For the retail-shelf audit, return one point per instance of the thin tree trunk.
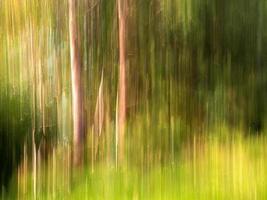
(77, 100)
(34, 115)
(122, 78)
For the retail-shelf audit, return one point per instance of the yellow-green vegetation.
(211, 168)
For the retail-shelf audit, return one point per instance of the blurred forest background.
(196, 92)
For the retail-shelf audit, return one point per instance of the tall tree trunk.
(77, 100)
(122, 78)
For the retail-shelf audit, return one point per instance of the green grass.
(206, 169)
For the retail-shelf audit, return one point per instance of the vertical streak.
(78, 132)
(117, 132)
(34, 112)
(122, 77)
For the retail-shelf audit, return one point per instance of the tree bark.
(77, 100)
(122, 77)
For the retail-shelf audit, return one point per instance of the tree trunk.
(77, 100)
(122, 78)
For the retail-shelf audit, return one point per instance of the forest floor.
(213, 169)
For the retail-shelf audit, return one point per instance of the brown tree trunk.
(122, 78)
(77, 100)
